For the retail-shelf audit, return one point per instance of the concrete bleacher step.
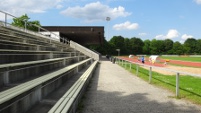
(22, 97)
(5, 44)
(32, 41)
(69, 101)
(14, 56)
(20, 72)
(25, 34)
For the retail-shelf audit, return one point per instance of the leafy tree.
(117, 42)
(127, 46)
(104, 48)
(136, 45)
(190, 45)
(146, 47)
(177, 48)
(198, 46)
(157, 47)
(168, 43)
(24, 19)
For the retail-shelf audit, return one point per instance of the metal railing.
(5, 23)
(150, 68)
(84, 50)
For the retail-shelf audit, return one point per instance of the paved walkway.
(115, 90)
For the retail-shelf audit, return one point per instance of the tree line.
(137, 46)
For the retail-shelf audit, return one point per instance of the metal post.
(25, 26)
(6, 77)
(130, 65)
(177, 85)
(64, 62)
(122, 63)
(150, 74)
(51, 55)
(137, 69)
(5, 19)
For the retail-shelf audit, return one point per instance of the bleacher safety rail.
(8, 16)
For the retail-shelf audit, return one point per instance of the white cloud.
(198, 1)
(142, 34)
(160, 37)
(185, 36)
(59, 6)
(95, 12)
(19, 7)
(172, 33)
(126, 25)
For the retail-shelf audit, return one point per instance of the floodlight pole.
(108, 19)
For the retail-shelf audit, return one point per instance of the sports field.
(184, 64)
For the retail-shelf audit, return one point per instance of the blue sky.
(145, 19)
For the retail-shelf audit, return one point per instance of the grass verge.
(189, 86)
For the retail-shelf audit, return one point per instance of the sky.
(146, 19)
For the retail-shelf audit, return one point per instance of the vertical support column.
(51, 55)
(150, 74)
(64, 62)
(37, 48)
(24, 41)
(78, 56)
(77, 69)
(70, 54)
(62, 49)
(137, 69)
(177, 85)
(6, 77)
(50, 41)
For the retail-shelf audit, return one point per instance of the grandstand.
(41, 72)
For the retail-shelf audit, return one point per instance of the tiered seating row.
(32, 91)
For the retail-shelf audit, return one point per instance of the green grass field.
(193, 59)
(189, 86)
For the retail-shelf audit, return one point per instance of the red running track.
(146, 61)
(184, 63)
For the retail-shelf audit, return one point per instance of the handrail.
(84, 50)
(6, 24)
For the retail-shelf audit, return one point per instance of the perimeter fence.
(180, 81)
